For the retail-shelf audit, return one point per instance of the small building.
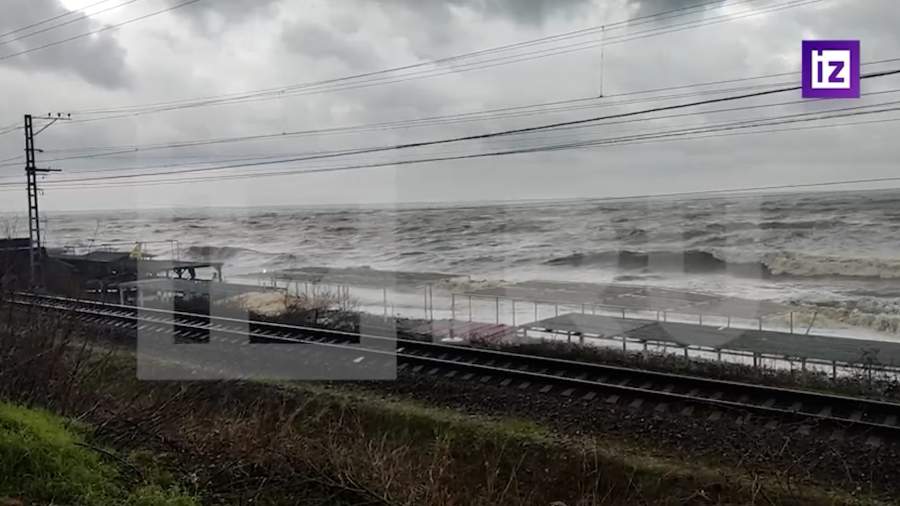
(100, 272)
(15, 263)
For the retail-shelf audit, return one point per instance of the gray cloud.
(648, 7)
(99, 60)
(520, 11)
(321, 39)
(525, 11)
(318, 41)
(210, 17)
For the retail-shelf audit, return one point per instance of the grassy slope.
(42, 461)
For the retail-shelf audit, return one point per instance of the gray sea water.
(831, 249)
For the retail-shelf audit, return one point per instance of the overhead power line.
(538, 128)
(118, 150)
(514, 112)
(81, 17)
(424, 69)
(621, 140)
(48, 20)
(542, 127)
(106, 28)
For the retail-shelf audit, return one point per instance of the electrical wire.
(106, 28)
(81, 17)
(344, 83)
(54, 18)
(677, 133)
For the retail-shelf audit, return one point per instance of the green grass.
(44, 461)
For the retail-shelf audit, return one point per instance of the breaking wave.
(768, 265)
(216, 253)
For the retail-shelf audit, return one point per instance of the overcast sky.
(215, 47)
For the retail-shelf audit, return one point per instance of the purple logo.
(830, 69)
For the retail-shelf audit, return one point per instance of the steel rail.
(529, 370)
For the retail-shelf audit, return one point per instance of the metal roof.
(780, 344)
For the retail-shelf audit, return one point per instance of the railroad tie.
(567, 392)
(433, 371)
(874, 441)
(837, 435)
(546, 388)
(890, 420)
(796, 406)
(769, 402)
(612, 399)
(485, 379)
(523, 385)
(636, 404)
(772, 424)
(505, 382)
(804, 430)
(589, 396)
(687, 411)
(715, 416)
(662, 407)
(826, 411)
(450, 374)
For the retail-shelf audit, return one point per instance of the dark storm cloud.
(520, 11)
(98, 59)
(319, 41)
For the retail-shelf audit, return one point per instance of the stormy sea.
(839, 252)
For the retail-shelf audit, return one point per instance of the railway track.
(717, 401)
